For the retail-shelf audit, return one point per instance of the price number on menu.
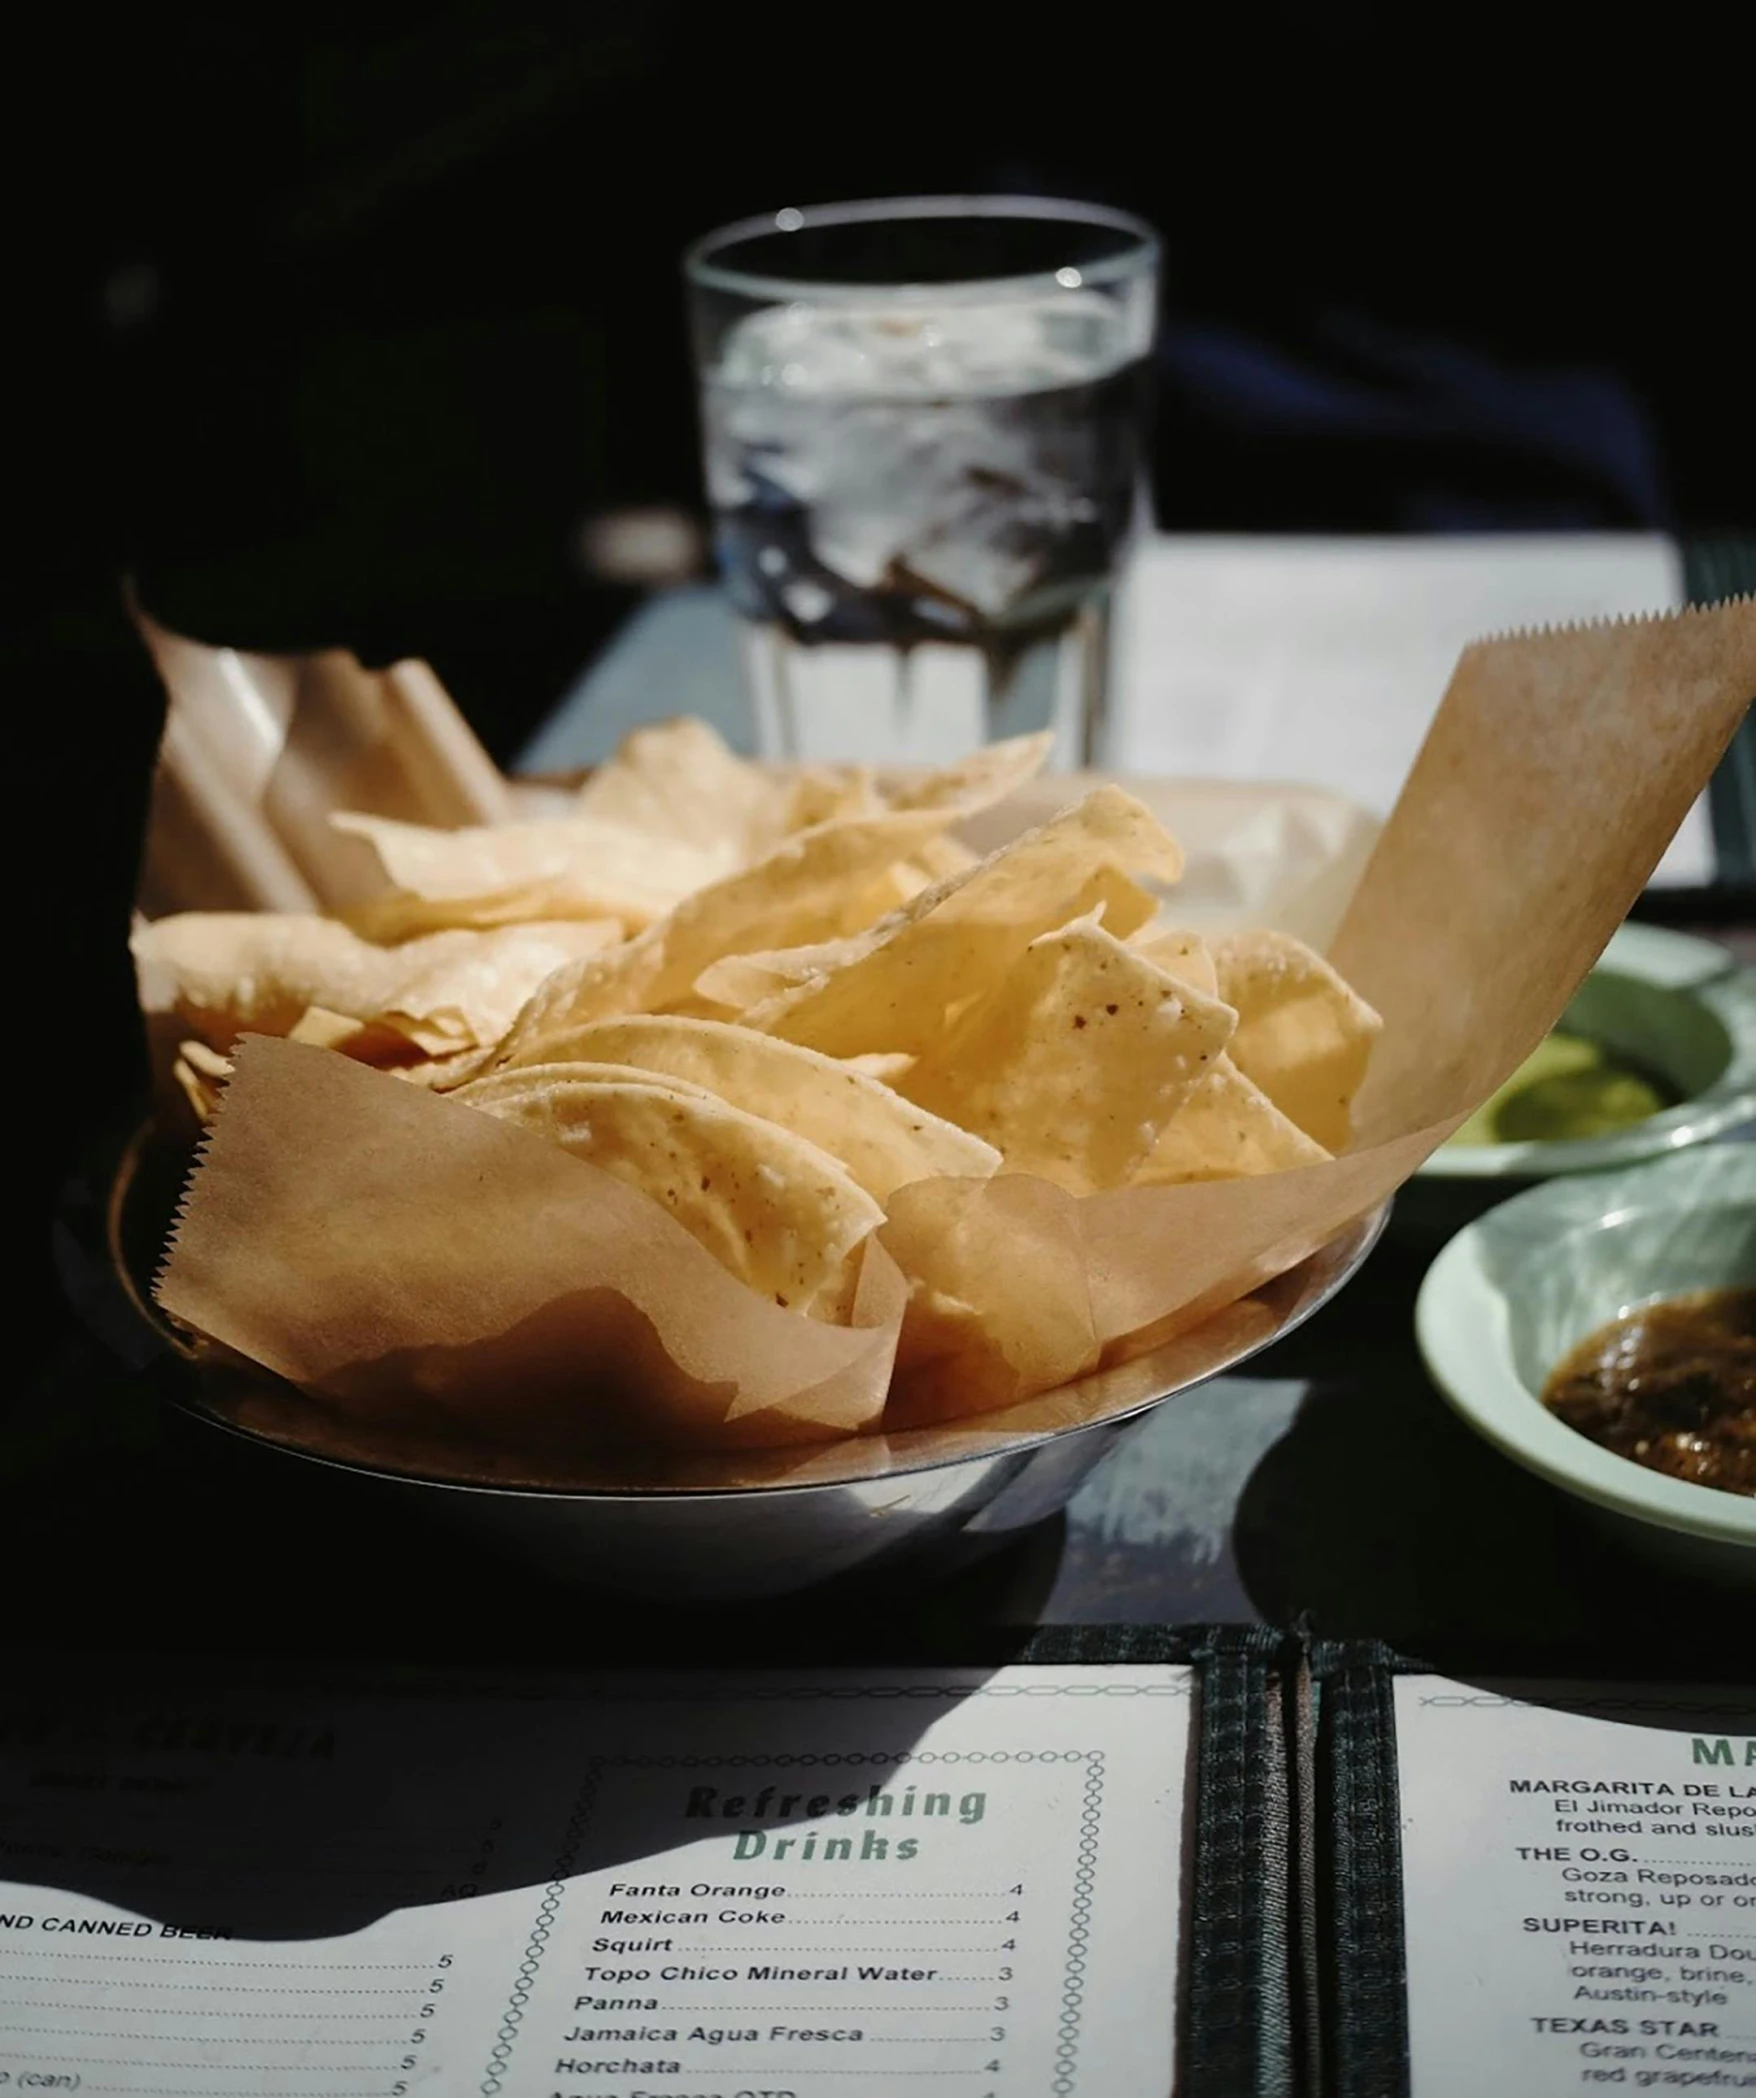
(997, 2032)
(432, 1989)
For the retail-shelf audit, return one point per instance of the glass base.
(869, 702)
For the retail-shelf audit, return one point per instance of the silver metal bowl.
(696, 1527)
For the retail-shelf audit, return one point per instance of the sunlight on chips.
(740, 981)
(953, 1356)
(1073, 1063)
(1181, 954)
(225, 971)
(833, 795)
(530, 1087)
(781, 1215)
(800, 891)
(893, 989)
(579, 867)
(941, 857)
(1304, 1035)
(679, 780)
(201, 1074)
(882, 1139)
(985, 777)
(1225, 1128)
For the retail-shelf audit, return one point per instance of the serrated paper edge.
(1608, 622)
(185, 1195)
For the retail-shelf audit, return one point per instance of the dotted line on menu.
(153, 1959)
(912, 2010)
(179, 2010)
(262, 1988)
(112, 2061)
(75, 2032)
(855, 1951)
(157, 2090)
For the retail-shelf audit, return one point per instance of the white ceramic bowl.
(1676, 1006)
(1513, 1292)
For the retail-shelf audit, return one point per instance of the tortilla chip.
(680, 780)
(833, 794)
(1183, 954)
(893, 987)
(208, 1061)
(777, 1213)
(882, 1139)
(1304, 1035)
(373, 1043)
(902, 883)
(985, 777)
(1226, 1128)
(999, 1301)
(886, 1069)
(200, 1074)
(942, 857)
(227, 972)
(579, 867)
(202, 1071)
(800, 891)
(531, 1085)
(437, 1074)
(470, 987)
(740, 981)
(890, 890)
(324, 1029)
(1074, 1062)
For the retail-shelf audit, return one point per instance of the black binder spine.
(1239, 2019)
(1362, 1963)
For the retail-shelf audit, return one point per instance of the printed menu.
(1579, 1882)
(823, 1886)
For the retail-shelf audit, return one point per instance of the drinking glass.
(925, 424)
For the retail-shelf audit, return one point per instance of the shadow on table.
(1380, 1515)
(224, 1802)
(187, 1588)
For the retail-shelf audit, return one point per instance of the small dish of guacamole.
(1656, 1051)
(1566, 1089)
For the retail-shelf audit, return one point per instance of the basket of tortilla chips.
(712, 1127)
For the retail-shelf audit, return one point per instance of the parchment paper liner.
(257, 750)
(245, 1396)
(326, 1234)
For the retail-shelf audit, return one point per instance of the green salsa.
(1565, 1090)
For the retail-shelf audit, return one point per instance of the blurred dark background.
(346, 326)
